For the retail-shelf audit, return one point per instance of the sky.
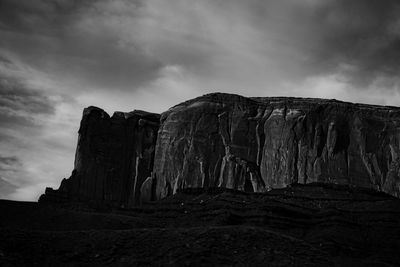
(59, 56)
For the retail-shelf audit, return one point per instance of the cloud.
(364, 35)
(69, 41)
(231, 45)
(18, 103)
(37, 130)
(6, 189)
(8, 164)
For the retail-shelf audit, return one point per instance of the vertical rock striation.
(254, 144)
(114, 156)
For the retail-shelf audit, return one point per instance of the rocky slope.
(230, 141)
(301, 225)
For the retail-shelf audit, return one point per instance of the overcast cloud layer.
(58, 56)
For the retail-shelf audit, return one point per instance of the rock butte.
(223, 140)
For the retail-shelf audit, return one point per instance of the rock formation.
(254, 144)
(224, 140)
(114, 156)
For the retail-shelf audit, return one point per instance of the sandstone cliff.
(254, 144)
(113, 158)
(224, 140)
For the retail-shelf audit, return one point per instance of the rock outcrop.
(255, 144)
(114, 156)
(230, 141)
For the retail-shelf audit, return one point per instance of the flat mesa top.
(292, 102)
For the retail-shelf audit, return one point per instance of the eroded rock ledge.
(224, 140)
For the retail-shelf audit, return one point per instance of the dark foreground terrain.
(308, 225)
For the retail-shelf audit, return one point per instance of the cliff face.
(254, 144)
(113, 158)
(222, 140)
